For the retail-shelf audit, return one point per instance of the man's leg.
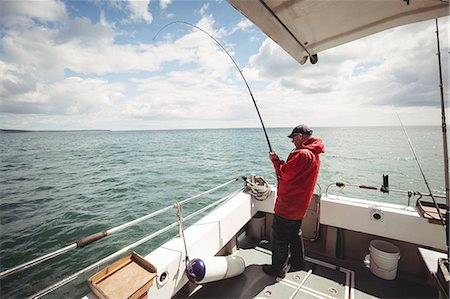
(280, 242)
(297, 248)
(280, 247)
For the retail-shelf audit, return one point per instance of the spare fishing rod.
(382, 189)
(444, 141)
(235, 64)
(422, 172)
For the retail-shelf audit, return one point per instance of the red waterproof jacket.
(297, 178)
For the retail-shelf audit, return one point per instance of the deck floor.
(325, 280)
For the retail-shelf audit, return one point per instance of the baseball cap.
(302, 129)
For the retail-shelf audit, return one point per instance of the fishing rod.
(383, 189)
(235, 64)
(421, 171)
(444, 141)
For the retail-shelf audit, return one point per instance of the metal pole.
(444, 140)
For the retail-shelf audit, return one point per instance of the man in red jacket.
(296, 181)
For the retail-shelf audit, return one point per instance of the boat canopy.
(305, 28)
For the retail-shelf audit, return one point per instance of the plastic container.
(384, 258)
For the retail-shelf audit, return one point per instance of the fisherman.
(296, 181)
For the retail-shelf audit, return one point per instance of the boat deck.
(319, 279)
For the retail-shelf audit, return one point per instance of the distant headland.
(33, 131)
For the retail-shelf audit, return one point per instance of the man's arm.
(287, 170)
(276, 161)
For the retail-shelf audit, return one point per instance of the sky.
(76, 65)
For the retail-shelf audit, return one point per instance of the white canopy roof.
(306, 27)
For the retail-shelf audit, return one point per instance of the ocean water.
(57, 187)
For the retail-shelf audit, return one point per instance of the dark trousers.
(287, 240)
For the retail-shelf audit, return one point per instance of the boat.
(355, 248)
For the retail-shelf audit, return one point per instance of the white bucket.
(384, 258)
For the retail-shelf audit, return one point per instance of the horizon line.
(174, 129)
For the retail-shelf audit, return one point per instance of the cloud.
(199, 49)
(243, 25)
(202, 89)
(70, 96)
(15, 13)
(83, 31)
(44, 53)
(139, 11)
(360, 83)
(204, 9)
(271, 61)
(58, 72)
(36, 59)
(163, 4)
(374, 71)
(187, 95)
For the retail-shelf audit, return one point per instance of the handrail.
(100, 235)
(125, 249)
(342, 185)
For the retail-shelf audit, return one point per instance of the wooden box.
(428, 210)
(129, 277)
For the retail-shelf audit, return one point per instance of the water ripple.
(59, 187)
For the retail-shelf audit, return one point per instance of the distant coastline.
(196, 129)
(34, 131)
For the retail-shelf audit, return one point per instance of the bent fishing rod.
(235, 64)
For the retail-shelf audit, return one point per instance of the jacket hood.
(314, 144)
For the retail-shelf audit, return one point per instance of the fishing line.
(235, 64)
(421, 170)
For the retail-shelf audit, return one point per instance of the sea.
(58, 187)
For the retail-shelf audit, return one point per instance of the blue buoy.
(196, 270)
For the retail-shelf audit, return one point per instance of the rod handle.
(92, 238)
(368, 187)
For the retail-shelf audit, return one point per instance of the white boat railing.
(129, 247)
(97, 236)
(382, 189)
